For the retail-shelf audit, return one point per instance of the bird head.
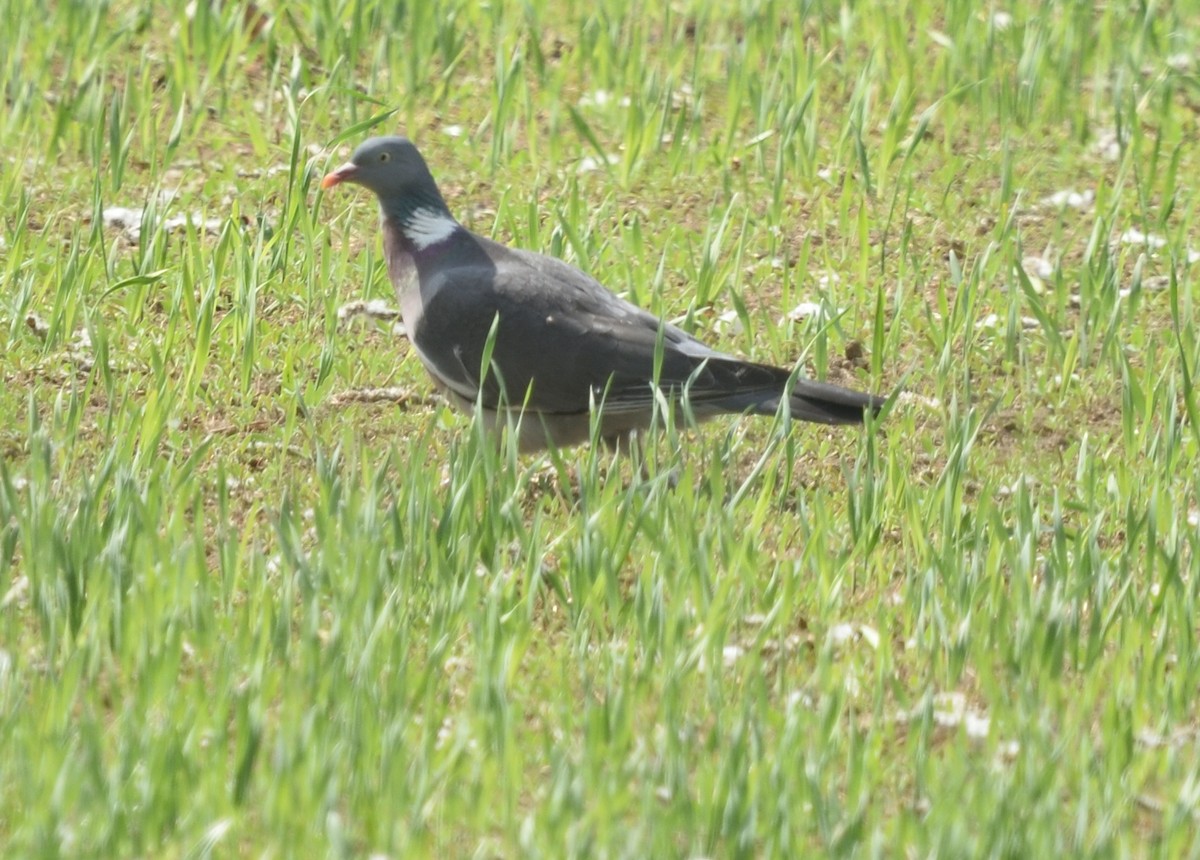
(389, 166)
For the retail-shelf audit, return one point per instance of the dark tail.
(759, 388)
(831, 404)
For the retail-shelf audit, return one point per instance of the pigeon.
(561, 345)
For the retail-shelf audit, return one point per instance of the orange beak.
(345, 173)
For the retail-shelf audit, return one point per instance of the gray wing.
(562, 339)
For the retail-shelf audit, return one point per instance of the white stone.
(732, 653)
(1134, 236)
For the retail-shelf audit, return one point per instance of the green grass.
(243, 613)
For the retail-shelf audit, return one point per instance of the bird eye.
(384, 156)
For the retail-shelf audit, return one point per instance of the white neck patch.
(426, 227)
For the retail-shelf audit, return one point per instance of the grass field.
(263, 595)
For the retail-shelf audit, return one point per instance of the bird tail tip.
(824, 403)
